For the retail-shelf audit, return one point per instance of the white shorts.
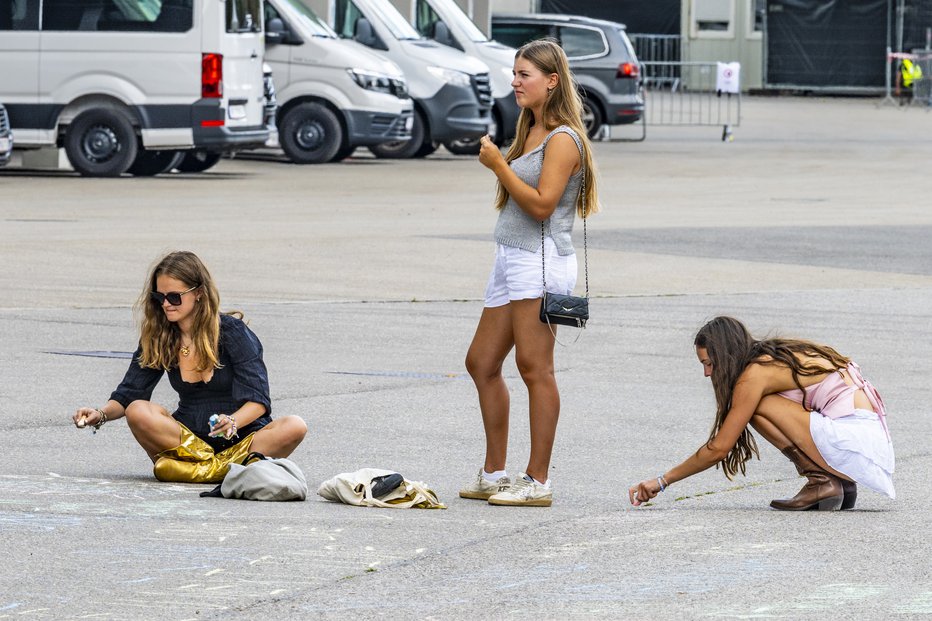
(517, 274)
(856, 446)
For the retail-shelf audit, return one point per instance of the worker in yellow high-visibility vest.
(911, 72)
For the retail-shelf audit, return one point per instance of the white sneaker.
(480, 489)
(524, 492)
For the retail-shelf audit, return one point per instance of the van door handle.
(254, 55)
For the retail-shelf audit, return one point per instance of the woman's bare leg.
(784, 422)
(280, 437)
(490, 345)
(534, 357)
(153, 427)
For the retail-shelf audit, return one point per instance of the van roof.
(557, 18)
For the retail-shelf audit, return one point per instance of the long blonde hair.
(563, 107)
(160, 338)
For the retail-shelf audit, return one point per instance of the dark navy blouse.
(242, 377)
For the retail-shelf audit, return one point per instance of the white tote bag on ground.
(355, 488)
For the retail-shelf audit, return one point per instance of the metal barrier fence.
(897, 90)
(922, 88)
(686, 94)
(657, 47)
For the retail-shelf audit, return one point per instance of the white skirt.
(857, 446)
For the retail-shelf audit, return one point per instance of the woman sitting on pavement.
(806, 399)
(215, 364)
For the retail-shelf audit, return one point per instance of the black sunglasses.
(174, 298)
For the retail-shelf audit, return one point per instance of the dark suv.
(6, 137)
(601, 57)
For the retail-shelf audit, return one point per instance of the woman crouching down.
(214, 362)
(807, 400)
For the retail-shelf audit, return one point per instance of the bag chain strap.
(543, 269)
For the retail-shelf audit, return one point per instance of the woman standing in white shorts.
(546, 177)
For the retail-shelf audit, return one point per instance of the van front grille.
(483, 89)
(4, 119)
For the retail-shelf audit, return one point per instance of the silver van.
(451, 91)
(445, 22)
(334, 95)
(6, 137)
(129, 85)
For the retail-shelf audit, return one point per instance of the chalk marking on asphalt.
(921, 604)
(140, 580)
(405, 374)
(277, 591)
(218, 587)
(260, 559)
(188, 586)
(214, 571)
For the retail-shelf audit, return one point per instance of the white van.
(445, 22)
(334, 95)
(124, 85)
(451, 93)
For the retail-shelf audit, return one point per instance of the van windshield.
(311, 21)
(462, 20)
(393, 20)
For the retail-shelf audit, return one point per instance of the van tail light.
(628, 70)
(212, 76)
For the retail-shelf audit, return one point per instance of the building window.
(756, 11)
(712, 18)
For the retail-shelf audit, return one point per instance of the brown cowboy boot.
(851, 494)
(823, 491)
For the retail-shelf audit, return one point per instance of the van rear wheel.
(310, 134)
(198, 160)
(151, 163)
(101, 143)
(419, 145)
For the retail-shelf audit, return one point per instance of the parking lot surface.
(364, 281)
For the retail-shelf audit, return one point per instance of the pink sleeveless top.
(833, 398)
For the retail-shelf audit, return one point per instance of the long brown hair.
(563, 107)
(731, 348)
(160, 338)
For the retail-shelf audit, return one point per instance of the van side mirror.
(440, 33)
(365, 34)
(276, 32)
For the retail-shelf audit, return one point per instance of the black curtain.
(917, 19)
(640, 17)
(827, 43)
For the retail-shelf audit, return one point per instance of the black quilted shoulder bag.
(566, 310)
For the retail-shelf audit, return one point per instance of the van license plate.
(409, 123)
(237, 112)
(5, 145)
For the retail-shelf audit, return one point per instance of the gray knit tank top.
(516, 228)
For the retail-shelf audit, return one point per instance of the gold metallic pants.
(194, 461)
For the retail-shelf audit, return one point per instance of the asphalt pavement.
(364, 281)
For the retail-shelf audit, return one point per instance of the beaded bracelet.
(100, 422)
(662, 482)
